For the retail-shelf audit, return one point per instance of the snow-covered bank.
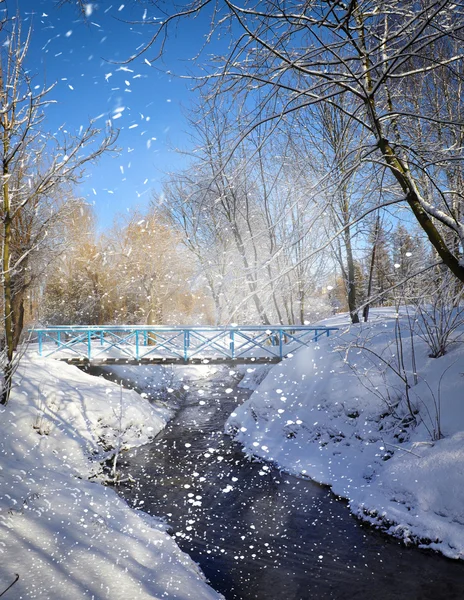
(338, 412)
(67, 537)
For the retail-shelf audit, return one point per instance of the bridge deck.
(247, 360)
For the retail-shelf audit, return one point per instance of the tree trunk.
(400, 173)
(350, 283)
(154, 317)
(250, 280)
(18, 317)
(7, 292)
(371, 270)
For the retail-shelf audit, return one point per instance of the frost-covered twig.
(401, 448)
(119, 436)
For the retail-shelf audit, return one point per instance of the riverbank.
(350, 413)
(258, 533)
(64, 534)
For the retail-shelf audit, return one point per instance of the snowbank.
(340, 412)
(65, 536)
(253, 376)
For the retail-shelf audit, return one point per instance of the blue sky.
(149, 105)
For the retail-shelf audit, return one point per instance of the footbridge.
(136, 344)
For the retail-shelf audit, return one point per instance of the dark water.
(261, 534)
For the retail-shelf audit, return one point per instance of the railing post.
(145, 338)
(89, 344)
(232, 344)
(137, 344)
(328, 332)
(281, 347)
(186, 343)
(101, 337)
(58, 339)
(39, 333)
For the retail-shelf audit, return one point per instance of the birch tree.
(202, 234)
(249, 219)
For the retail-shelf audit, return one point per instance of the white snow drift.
(338, 412)
(67, 537)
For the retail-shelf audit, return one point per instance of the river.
(261, 534)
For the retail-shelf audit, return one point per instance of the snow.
(337, 413)
(66, 536)
(420, 495)
(252, 376)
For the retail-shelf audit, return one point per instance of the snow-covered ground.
(338, 413)
(66, 536)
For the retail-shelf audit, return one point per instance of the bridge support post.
(186, 343)
(89, 344)
(281, 344)
(232, 344)
(137, 345)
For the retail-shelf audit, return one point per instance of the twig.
(11, 585)
(403, 449)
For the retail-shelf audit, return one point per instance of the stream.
(260, 534)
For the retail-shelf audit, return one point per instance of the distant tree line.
(136, 273)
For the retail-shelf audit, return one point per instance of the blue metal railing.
(176, 342)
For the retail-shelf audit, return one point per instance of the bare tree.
(367, 59)
(250, 221)
(336, 139)
(181, 204)
(33, 166)
(227, 192)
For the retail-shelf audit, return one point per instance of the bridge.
(148, 344)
